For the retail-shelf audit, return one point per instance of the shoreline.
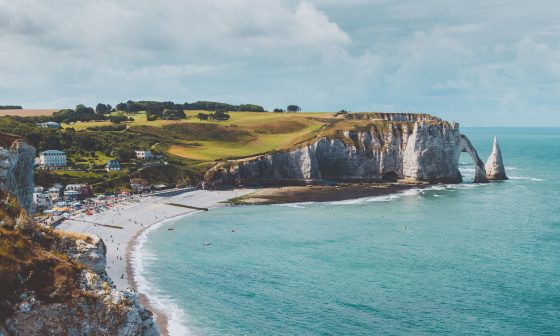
(324, 193)
(123, 260)
(160, 317)
(132, 220)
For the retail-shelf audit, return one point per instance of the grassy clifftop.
(191, 146)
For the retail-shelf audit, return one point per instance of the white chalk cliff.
(397, 146)
(495, 169)
(16, 168)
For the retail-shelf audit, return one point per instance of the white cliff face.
(432, 153)
(495, 169)
(422, 151)
(16, 172)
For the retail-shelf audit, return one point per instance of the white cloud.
(467, 61)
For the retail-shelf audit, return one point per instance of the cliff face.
(54, 283)
(384, 148)
(16, 168)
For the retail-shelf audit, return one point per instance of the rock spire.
(495, 169)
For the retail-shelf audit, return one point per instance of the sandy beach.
(120, 226)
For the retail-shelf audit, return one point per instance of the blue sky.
(493, 63)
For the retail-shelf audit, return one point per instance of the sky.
(477, 62)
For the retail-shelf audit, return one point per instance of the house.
(82, 190)
(144, 155)
(49, 124)
(140, 185)
(71, 195)
(113, 165)
(55, 193)
(41, 199)
(52, 159)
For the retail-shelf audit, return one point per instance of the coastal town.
(53, 204)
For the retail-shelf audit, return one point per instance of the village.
(54, 204)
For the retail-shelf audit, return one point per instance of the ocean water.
(449, 260)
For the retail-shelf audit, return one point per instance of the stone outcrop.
(55, 283)
(384, 147)
(495, 169)
(16, 168)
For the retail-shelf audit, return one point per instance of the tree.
(220, 115)
(102, 108)
(278, 110)
(122, 107)
(293, 108)
(202, 116)
(117, 119)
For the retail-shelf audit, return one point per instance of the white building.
(41, 201)
(55, 193)
(52, 158)
(144, 155)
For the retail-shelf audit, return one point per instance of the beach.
(120, 226)
(324, 193)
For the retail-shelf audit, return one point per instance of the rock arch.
(480, 171)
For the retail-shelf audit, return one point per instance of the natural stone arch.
(480, 171)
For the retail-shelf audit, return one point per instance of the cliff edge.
(54, 283)
(363, 147)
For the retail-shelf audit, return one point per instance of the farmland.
(28, 112)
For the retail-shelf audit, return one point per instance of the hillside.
(190, 146)
(54, 283)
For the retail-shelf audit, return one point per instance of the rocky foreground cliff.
(54, 283)
(364, 147)
(16, 168)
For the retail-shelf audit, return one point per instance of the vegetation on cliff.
(54, 282)
(190, 145)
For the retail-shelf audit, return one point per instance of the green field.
(244, 134)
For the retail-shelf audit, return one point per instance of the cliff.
(360, 148)
(54, 283)
(16, 168)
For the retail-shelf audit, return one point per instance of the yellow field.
(28, 112)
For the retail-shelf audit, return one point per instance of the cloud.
(475, 62)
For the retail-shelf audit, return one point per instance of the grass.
(244, 134)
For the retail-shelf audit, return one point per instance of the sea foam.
(177, 319)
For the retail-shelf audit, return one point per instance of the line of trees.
(80, 113)
(11, 107)
(290, 108)
(137, 106)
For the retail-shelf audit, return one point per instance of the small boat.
(170, 229)
(206, 243)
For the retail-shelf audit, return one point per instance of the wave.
(534, 179)
(294, 205)
(176, 317)
(383, 198)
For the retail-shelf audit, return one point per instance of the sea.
(466, 259)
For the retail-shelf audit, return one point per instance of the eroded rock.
(495, 169)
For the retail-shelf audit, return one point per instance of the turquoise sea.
(449, 260)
